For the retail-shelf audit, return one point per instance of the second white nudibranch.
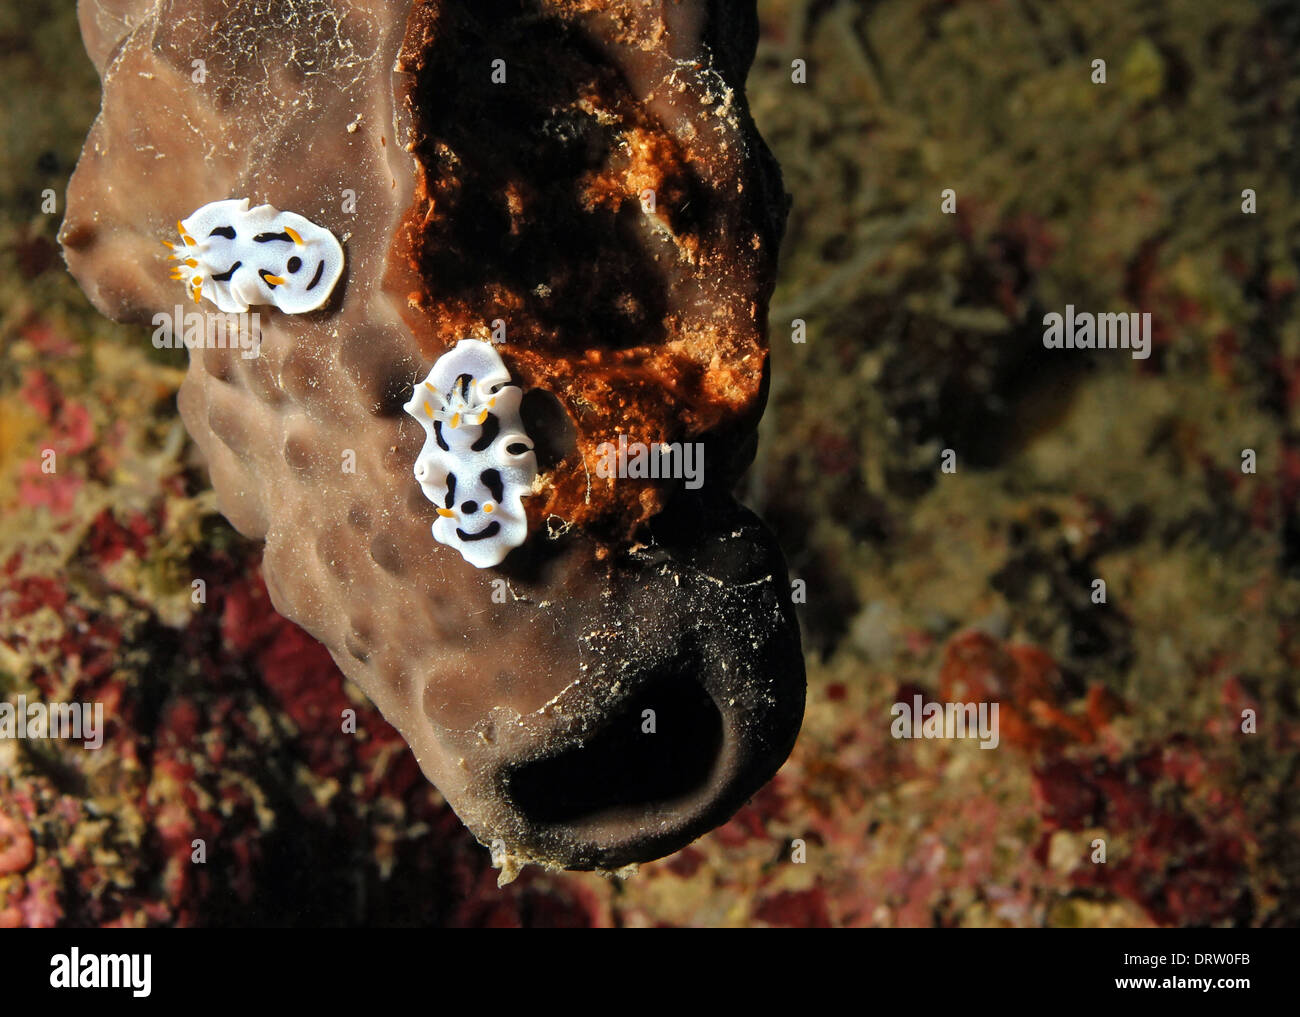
(238, 256)
(477, 464)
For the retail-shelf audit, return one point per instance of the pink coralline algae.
(1184, 858)
(16, 851)
(1174, 854)
(69, 433)
(29, 897)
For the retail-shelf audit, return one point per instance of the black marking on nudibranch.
(490, 530)
(491, 428)
(266, 238)
(316, 278)
(226, 275)
(224, 231)
(492, 481)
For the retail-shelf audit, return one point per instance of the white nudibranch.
(477, 463)
(237, 256)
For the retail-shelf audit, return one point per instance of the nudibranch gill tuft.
(237, 256)
(477, 463)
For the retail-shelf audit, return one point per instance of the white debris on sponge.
(477, 464)
(237, 257)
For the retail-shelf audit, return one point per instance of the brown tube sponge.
(582, 179)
